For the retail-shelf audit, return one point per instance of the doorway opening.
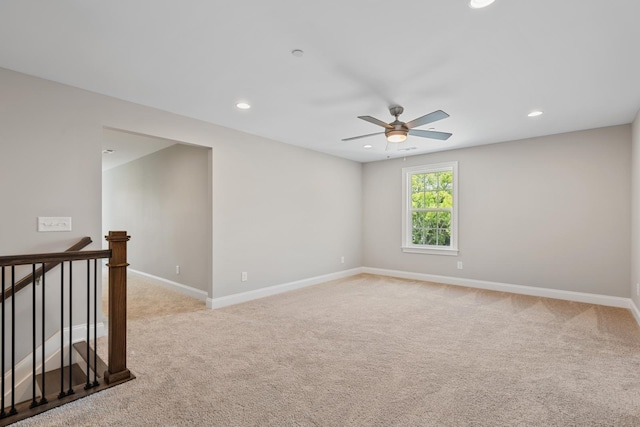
(159, 191)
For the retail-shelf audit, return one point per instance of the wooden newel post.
(117, 370)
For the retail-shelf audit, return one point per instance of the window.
(430, 209)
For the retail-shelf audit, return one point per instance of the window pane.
(431, 228)
(431, 181)
(445, 181)
(425, 236)
(432, 220)
(425, 219)
(444, 199)
(444, 237)
(432, 236)
(431, 199)
(417, 183)
(417, 201)
(418, 236)
(419, 219)
(444, 220)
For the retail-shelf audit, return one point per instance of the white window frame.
(407, 240)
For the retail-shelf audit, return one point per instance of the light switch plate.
(54, 223)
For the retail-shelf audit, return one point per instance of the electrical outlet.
(243, 276)
(341, 260)
(177, 269)
(459, 265)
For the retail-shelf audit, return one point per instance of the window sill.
(430, 251)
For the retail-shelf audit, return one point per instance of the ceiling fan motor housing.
(396, 110)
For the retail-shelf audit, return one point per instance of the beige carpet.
(146, 299)
(373, 351)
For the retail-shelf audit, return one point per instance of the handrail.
(114, 372)
(51, 264)
(53, 257)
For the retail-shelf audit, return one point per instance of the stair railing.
(116, 371)
(26, 280)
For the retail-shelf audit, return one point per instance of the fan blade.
(376, 121)
(429, 118)
(443, 136)
(362, 136)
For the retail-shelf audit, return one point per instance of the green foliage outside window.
(431, 208)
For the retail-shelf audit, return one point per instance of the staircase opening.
(62, 286)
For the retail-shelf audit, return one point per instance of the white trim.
(506, 287)
(183, 289)
(430, 250)
(24, 367)
(407, 244)
(606, 300)
(278, 289)
(212, 173)
(635, 310)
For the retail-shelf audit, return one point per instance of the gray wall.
(280, 213)
(551, 212)
(49, 166)
(635, 212)
(164, 200)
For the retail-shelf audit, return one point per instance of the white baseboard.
(24, 367)
(506, 287)
(278, 289)
(179, 287)
(584, 297)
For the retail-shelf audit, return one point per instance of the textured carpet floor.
(374, 351)
(146, 299)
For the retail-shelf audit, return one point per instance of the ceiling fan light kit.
(396, 135)
(479, 4)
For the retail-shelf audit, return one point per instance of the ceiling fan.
(397, 131)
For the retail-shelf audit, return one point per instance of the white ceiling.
(126, 147)
(577, 60)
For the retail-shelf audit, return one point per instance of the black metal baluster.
(34, 402)
(70, 391)
(87, 386)
(3, 413)
(95, 323)
(44, 399)
(62, 393)
(13, 410)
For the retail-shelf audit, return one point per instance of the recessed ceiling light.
(243, 105)
(297, 53)
(108, 151)
(367, 146)
(535, 113)
(479, 4)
